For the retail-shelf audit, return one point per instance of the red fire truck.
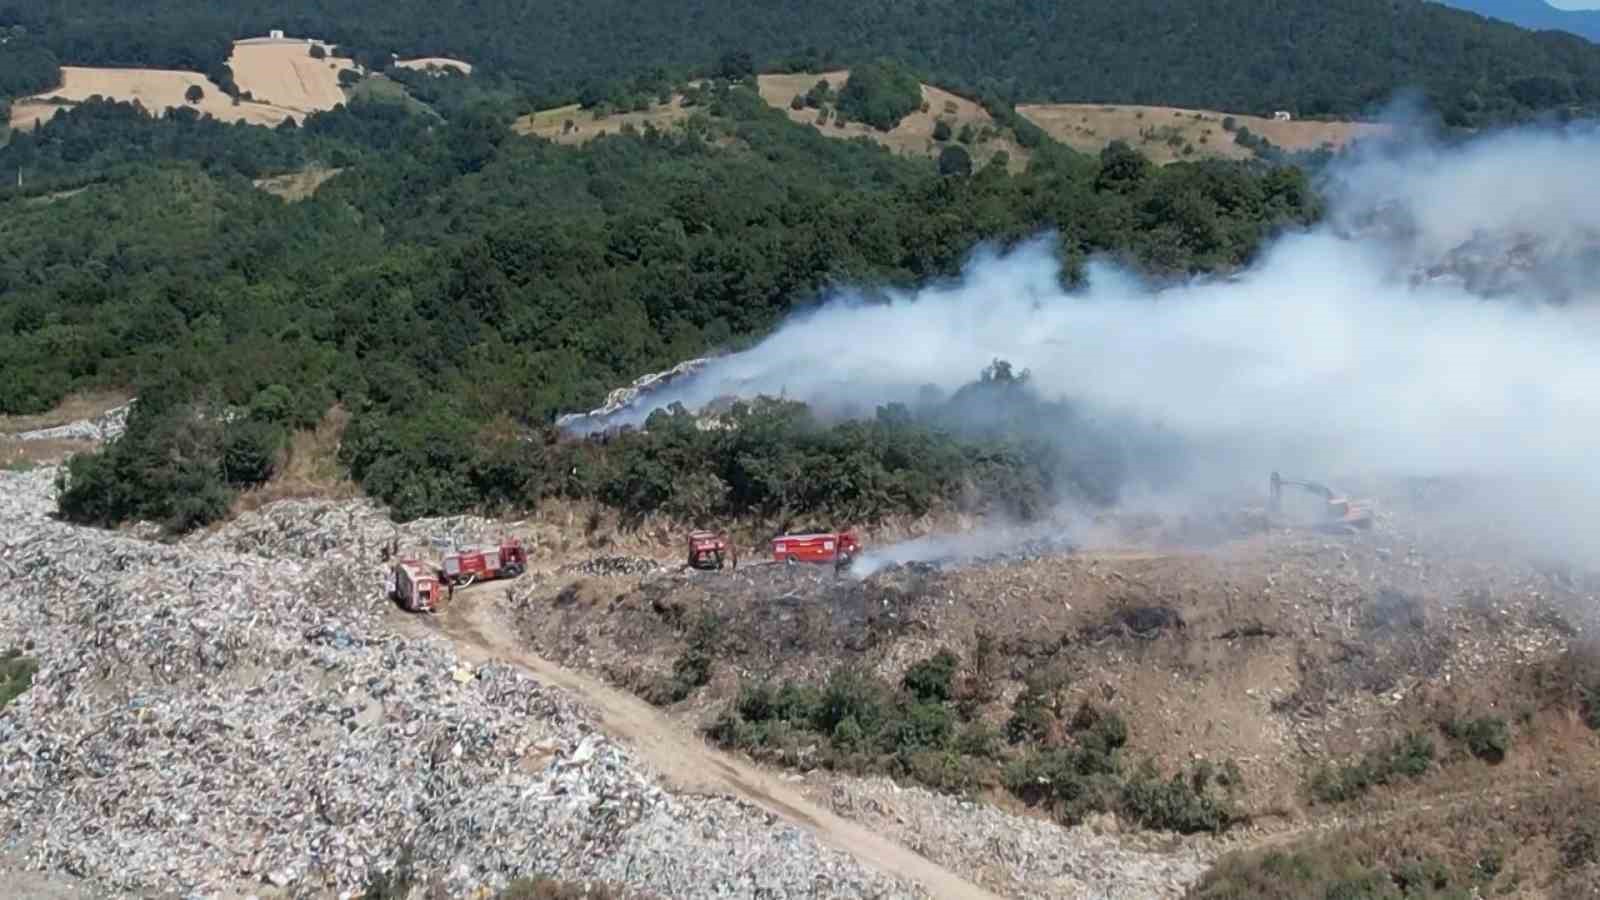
(415, 585)
(709, 550)
(469, 564)
(834, 547)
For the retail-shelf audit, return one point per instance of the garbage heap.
(231, 710)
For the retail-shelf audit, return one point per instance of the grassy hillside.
(1166, 134)
(1253, 56)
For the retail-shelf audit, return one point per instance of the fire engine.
(836, 547)
(469, 564)
(415, 585)
(707, 549)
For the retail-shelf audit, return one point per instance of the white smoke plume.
(1332, 353)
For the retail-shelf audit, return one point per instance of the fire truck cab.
(837, 547)
(470, 564)
(415, 586)
(709, 550)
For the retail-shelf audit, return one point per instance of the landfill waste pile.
(623, 399)
(107, 426)
(230, 711)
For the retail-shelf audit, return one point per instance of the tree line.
(456, 288)
(1255, 56)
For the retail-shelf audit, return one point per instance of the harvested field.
(282, 72)
(425, 63)
(1163, 132)
(913, 136)
(157, 90)
(552, 124)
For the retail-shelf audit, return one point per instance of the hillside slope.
(1535, 14)
(1246, 55)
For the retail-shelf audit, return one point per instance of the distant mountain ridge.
(1534, 14)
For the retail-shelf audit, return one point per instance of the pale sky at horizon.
(1574, 4)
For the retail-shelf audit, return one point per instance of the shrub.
(941, 130)
(16, 675)
(880, 94)
(1486, 737)
(692, 668)
(1182, 804)
(931, 679)
(1409, 757)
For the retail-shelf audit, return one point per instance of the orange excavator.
(1341, 513)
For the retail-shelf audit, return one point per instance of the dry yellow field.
(157, 90)
(434, 62)
(280, 71)
(1163, 132)
(914, 134)
(552, 123)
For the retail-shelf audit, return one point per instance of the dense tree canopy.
(1308, 56)
(26, 67)
(416, 289)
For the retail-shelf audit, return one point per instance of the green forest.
(457, 286)
(1254, 56)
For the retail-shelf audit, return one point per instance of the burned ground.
(1279, 650)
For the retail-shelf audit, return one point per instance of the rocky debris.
(1024, 857)
(234, 710)
(624, 399)
(107, 426)
(612, 565)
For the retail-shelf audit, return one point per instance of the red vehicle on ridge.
(470, 564)
(828, 546)
(415, 585)
(710, 549)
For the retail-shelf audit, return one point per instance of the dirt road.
(480, 633)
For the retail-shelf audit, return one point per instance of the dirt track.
(474, 625)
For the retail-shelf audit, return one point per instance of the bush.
(692, 668)
(941, 130)
(918, 733)
(1409, 757)
(880, 94)
(955, 160)
(1182, 804)
(931, 679)
(16, 675)
(1487, 737)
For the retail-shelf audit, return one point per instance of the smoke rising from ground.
(1337, 353)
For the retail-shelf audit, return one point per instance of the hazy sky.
(1574, 4)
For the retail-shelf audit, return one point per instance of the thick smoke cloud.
(1364, 347)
